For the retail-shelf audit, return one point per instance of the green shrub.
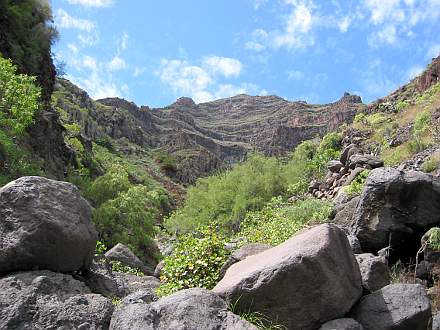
(101, 248)
(402, 105)
(360, 118)
(195, 261)
(167, 161)
(119, 267)
(433, 241)
(279, 221)
(129, 218)
(19, 98)
(432, 163)
(356, 186)
(109, 185)
(226, 197)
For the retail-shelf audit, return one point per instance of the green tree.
(129, 218)
(19, 98)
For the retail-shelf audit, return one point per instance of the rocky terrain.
(203, 138)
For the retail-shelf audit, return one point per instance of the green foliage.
(356, 186)
(195, 261)
(18, 99)
(167, 161)
(129, 218)
(402, 105)
(360, 118)
(109, 185)
(432, 163)
(18, 104)
(377, 118)
(226, 197)
(101, 248)
(433, 241)
(394, 156)
(279, 221)
(261, 321)
(421, 138)
(27, 36)
(119, 267)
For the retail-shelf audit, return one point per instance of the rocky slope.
(202, 138)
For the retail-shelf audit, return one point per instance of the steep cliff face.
(206, 137)
(26, 35)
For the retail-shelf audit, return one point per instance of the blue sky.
(152, 52)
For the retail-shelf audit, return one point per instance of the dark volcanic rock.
(342, 324)
(306, 281)
(395, 207)
(44, 224)
(374, 271)
(124, 255)
(186, 309)
(396, 306)
(47, 300)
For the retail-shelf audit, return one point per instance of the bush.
(432, 163)
(119, 267)
(109, 185)
(226, 197)
(19, 98)
(129, 218)
(356, 186)
(279, 221)
(402, 105)
(195, 262)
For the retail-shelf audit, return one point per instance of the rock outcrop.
(186, 309)
(374, 271)
(342, 324)
(310, 279)
(396, 208)
(395, 307)
(48, 300)
(123, 254)
(44, 224)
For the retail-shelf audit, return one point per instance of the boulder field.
(50, 279)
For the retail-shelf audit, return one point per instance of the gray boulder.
(47, 300)
(365, 161)
(347, 152)
(140, 297)
(124, 255)
(436, 321)
(394, 206)
(242, 253)
(306, 281)
(186, 309)
(334, 166)
(345, 212)
(44, 224)
(100, 279)
(374, 271)
(396, 306)
(342, 324)
(132, 283)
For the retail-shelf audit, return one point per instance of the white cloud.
(297, 27)
(344, 23)
(433, 51)
(117, 64)
(203, 82)
(295, 75)
(89, 62)
(90, 39)
(255, 46)
(259, 3)
(138, 71)
(91, 3)
(123, 42)
(73, 48)
(415, 71)
(387, 34)
(226, 66)
(64, 20)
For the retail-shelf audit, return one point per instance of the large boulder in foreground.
(186, 309)
(308, 280)
(394, 207)
(44, 224)
(395, 307)
(342, 324)
(47, 300)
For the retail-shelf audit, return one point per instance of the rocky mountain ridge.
(203, 138)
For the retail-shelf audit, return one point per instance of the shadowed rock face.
(207, 136)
